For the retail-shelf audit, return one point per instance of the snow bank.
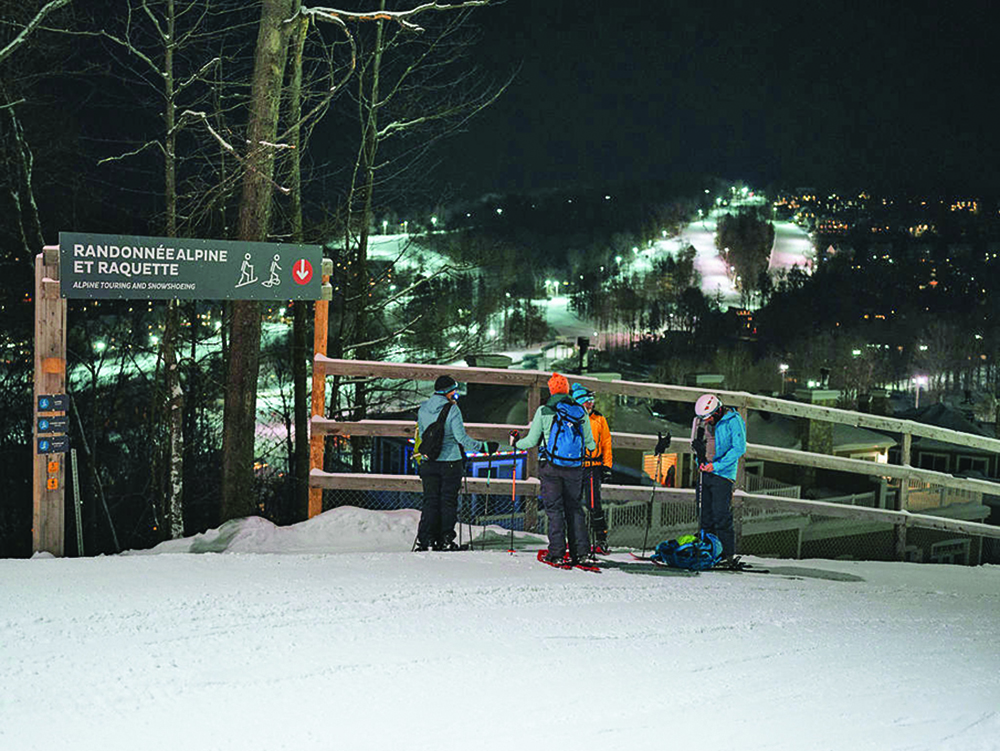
(347, 529)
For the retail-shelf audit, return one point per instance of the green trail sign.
(161, 268)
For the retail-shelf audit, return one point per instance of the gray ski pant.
(561, 488)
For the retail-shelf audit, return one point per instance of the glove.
(605, 473)
(662, 444)
(491, 446)
(699, 448)
(514, 435)
(707, 467)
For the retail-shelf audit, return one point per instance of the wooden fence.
(536, 381)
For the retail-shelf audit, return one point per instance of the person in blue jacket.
(719, 439)
(442, 477)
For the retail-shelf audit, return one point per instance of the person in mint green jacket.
(561, 430)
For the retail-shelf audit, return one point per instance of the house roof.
(943, 416)
(771, 429)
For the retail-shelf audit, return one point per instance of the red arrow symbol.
(302, 271)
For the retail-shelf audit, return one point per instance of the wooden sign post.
(48, 430)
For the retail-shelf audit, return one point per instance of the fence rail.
(498, 432)
(622, 494)
(739, 399)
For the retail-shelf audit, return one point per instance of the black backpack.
(431, 440)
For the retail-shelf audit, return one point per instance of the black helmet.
(445, 385)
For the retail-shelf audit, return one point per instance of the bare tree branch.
(33, 24)
(401, 16)
(134, 152)
(228, 147)
(195, 77)
(387, 338)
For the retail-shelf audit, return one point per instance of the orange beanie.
(558, 384)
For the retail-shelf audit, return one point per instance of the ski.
(638, 566)
(737, 565)
(740, 570)
(457, 549)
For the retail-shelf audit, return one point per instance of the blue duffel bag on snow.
(696, 552)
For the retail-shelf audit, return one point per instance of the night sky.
(891, 96)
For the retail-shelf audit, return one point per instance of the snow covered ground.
(329, 634)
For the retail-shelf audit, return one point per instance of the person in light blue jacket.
(719, 439)
(442, 476)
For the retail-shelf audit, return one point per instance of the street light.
(783, 368)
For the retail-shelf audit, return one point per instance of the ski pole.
(697, 497)
(590, 519)
(465, 484)
(489, 471)
(649, 508)
(513, 487)
(699, 445)
(513, 496)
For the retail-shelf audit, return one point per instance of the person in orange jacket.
(596, 468)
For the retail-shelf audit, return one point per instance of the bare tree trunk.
(22, 191)
(300, 320)
(255, 210)
(369, 103)
(174, 393)
(175, 416)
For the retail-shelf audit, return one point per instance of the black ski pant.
(560, 489)
(716, 512)
(441, 481)
(592, 501)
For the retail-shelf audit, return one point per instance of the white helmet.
(707, 405)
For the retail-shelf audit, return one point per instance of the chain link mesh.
(482, 517)
(765, 532)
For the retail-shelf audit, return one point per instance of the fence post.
(317, 444)
(904, 490)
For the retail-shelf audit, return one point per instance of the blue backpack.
(564, 447)
(693, 552)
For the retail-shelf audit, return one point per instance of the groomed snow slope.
(286, 641)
